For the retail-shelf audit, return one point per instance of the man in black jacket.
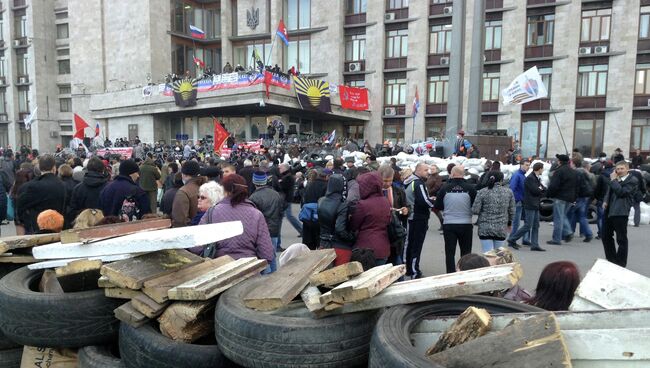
(313, 192)
(636, 204)
(43, 193)
(563, 189)
(286, 183)
(533, 191)
(86, 194)
(270, 203)
(333, 215)
(618, 201)
(417, 198)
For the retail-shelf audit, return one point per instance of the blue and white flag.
(528, 86)
(331, 137)
(30, 118)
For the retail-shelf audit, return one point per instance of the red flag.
(220, 135)
(268, 78)
(199, 62)
(79, 126)
(353, 98)
(282, 32)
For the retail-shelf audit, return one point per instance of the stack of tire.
(546, 211)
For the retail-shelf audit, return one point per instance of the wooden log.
(608, 286)
(80, 275)
(112, 230)
(285, 284)
(217, 281)
(148, 306)
(132, 273)
(368, 284)
(336, 275)
(187, 321)
(157, 288)
(121, 293)
(103, 282)
(148, 241)
(474, 281)
(26, 241)
(62, 262)
(49, 283)
(471, 324)
(127, 314)
(23, 259)
(536, 340)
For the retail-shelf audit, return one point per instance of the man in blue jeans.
(517, 187)
(533, 191)
(563, 189)
(585, 192)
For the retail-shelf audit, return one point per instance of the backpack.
(396, 231)
(585, 187)
(129, 210)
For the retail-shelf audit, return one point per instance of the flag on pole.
(528, 86)
(199, 62)
(220, 135)
(197, 32)
(30, 118)
(416, 103)
(332, 137)
(97, 130)
(79, 126)
(282, 32)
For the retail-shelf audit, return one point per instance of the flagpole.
(558, 126)
(413, 130)
(271, 49)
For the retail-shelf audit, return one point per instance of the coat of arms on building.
(253, 17)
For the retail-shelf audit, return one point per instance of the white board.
(64, 262)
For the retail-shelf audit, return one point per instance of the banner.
(313, 94)
(353, 98)
(528, 86)
(122, 151)
(220, 135)
(185, 91)
(231, 80)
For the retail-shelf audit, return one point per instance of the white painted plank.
(148, 241)
(579, 304)
(63, 262)
(577, 363)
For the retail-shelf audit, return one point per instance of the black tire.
(98, 357)
(592, 214)
(146, 347)
(66, 320)
(391, 345)
(290, 337)
(546, 209)
(11, 358)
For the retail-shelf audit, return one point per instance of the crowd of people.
(373, 213)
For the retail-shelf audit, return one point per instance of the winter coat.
(533, 192)
(495, 209)
(602, 183)
(371, 216)
(418, 197)
(69, 184)
(333, 212)
(149, 174)
(46, 192)
(255, 241)
(3, 203)
(314, 191)
(517, 185)
(564, 184)
(113, 195)
(186, 203)
(620, 196)
(434, 183)
(455, 199)
(353, 191)
(167, 201)
(86, 194)
(271, 204)
(286, 184)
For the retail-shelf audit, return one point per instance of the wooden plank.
(78, 266)
(26, 241)
(132, 273)
(285, 284)
(62, 262)
(103, 282)
(120, 293)
(368, 284)
(536, 340)
(127, 314)
(49, 283)
(148, 241)
(112, 230)
(474, 281)
(613, 287)
(187, 321)
(80, 275)
(148, 306)
(336, 275)
(471, 324)
(217, 281)
(158, 287)
(23, 259)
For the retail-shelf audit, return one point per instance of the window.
(2, 33)
(592, 80)
(394, 131)
(23, 100)
(640, 134)
(65, 89)
(64, 67)
(441, 1)
(355, 47)
(588, 137)
(642, 83)
(644, 22)
(545, 73)
(491, 86)
(62, 31)
(213, 23)
(21, 67)
(65, 104)
(3, 102)
(244, 53)
(20, 24)
(540, 30)
(493, 35)
(438, 89)
(395, 92)
(434, 129)
(357, 83)
(398, 4)
(61, 15)
(62, 52)
(3, 67)
(397, 43)
(354, 132)
(440, 39)
(356, 6)
(298, 14)
(298, 55)
(534, 137)
(595, 25)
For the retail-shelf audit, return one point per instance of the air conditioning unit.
(354, 67)
(600, 50)
(447, 10)
(16, 42)
(444, 60)
(584, 50)
(54, 134)
(649, 102)
(390, 111)
(23, 80)
(389, 16)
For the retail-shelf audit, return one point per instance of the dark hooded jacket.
(371, 216)
(333, 215)
(86, 194)
(113, 195)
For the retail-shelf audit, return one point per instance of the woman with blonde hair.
(88, 218)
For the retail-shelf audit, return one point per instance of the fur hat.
(128, 167)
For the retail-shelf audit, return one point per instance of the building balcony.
(20, 42)
(599, 102)
(359, 18)
(395, 63)
(643, 44)
(493, 4)
(396, 14)
(441, 10)
(4, 118)
(490, 106)
(492, 55)
(22, 80)
(533, 52)
(357, 66)
(436, 108)
(642, 101)
(439, 60)
(543, 104)
(397, 111)
(3, 81)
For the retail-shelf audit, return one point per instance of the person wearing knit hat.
(49, 222)
(186, 200)
(112, 198)
(129, 168)
(190, 169)
(260, 178)
(270, 203)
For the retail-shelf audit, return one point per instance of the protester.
(586, 183)
(185, 204)
(420, 200)
(434, 183)
(149, 180)
(123, 197)
(286, 188)
(88, 218)
(533, 192)
(86, 194)
(563, 189)
(333, 217)
(210, 194)
(495, 207)
(23, 176)
(471, 261)
(637, 160)
(271, 204)
(49, 222)
(640, 195)
(602, 183)
(517, 187)
(617, 203)
(314, 190)
(172, 170)
(556, 286)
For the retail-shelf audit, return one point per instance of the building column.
(226, 32)
(476, 68)
(456, 78)
(248, 124)
(195, 129)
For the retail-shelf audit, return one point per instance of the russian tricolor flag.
(282, 32)
(197, 32)
(416, 103)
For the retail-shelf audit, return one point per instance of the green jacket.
(149, 173)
